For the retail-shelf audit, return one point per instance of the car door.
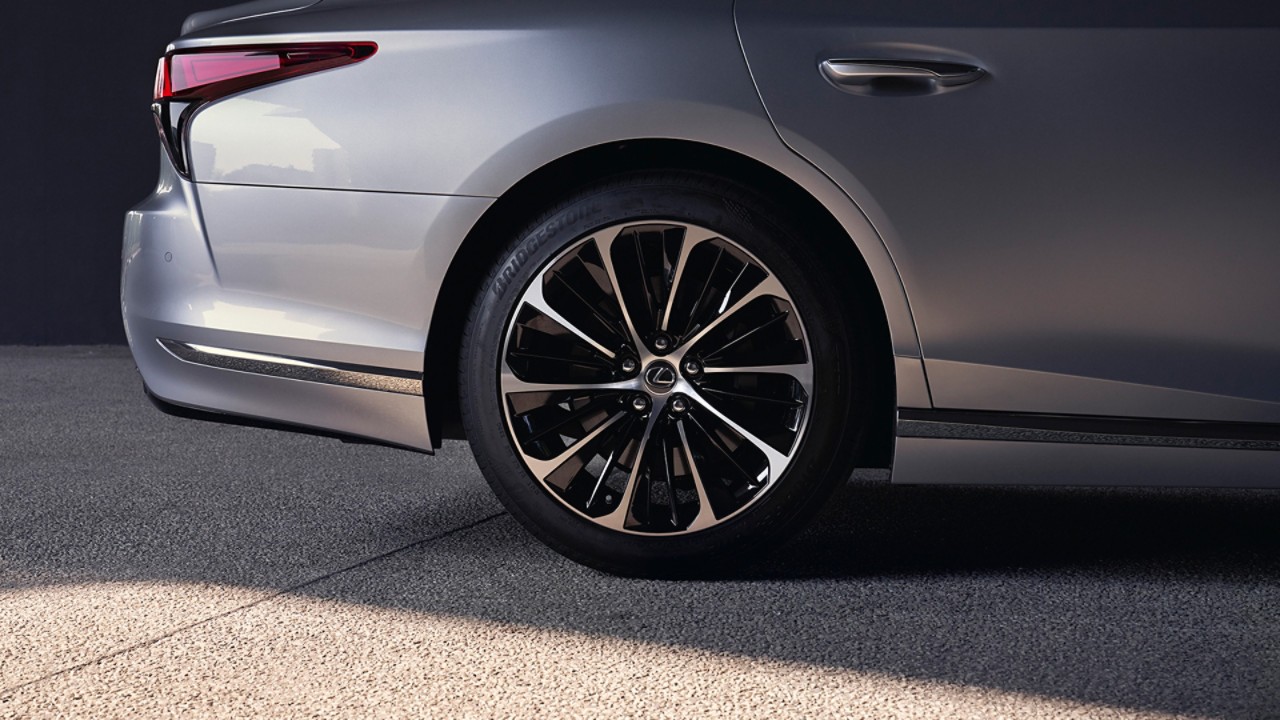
(1091, 225)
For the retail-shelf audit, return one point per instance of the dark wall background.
(79, 149)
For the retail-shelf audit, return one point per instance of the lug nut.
(662, 343)
(691, 367)
(640, 403)
(629, 365)
(679, 404)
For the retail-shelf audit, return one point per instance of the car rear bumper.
(260, 352)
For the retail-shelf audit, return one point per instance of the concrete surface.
(157, 566)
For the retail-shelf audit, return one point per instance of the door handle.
(857, 73)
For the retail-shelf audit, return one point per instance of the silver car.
(675, 268)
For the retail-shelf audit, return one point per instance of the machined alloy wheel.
(658, 377)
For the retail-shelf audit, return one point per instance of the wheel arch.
(556, 179)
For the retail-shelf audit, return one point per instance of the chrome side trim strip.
(402, 382)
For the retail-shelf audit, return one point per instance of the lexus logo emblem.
(660, 376)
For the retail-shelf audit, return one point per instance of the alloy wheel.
(656, 378)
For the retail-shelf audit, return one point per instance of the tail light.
(188, 79)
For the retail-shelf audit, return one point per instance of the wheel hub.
(659, 377)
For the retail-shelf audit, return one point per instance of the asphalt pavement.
(157, 566)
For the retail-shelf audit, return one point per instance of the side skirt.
(946, 447)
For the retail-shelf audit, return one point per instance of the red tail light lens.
(209, 73)
(190, 71)
(187, 79)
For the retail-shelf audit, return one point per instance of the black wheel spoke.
(591, 307)
(746, 397)
(565, 421)
(718, 353)
(703, 299)
(606, 257)
(525, 354)
(671, 482)
(714, 442)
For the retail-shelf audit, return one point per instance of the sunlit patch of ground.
(297, 656)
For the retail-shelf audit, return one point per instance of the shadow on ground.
(1124, 532)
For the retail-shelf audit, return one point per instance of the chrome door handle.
(864, 72)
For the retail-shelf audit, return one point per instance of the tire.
(562, 388)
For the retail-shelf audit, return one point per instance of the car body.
(1059, 219)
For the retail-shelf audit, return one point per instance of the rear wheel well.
(556, 180)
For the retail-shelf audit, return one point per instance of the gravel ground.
(152, 566)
